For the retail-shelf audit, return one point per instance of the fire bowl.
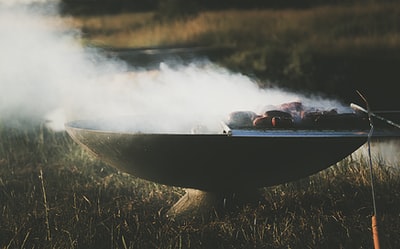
(233, 160)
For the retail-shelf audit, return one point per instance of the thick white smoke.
(46, 73)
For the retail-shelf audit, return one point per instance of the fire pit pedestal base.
(197, 203)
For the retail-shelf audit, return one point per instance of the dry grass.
(329, 50)
(342, 26)
(53, 195)
(90, 205)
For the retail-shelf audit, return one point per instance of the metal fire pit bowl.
(232, 161)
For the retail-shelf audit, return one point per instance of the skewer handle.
(375, 234)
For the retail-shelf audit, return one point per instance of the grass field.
(340, 27)
(333, 50)
(54, 195)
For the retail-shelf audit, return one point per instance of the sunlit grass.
(94, 206)
(339, 26)
(331, 50)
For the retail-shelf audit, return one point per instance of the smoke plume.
(47, 74)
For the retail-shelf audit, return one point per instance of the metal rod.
(357, 107)
(374, 224)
